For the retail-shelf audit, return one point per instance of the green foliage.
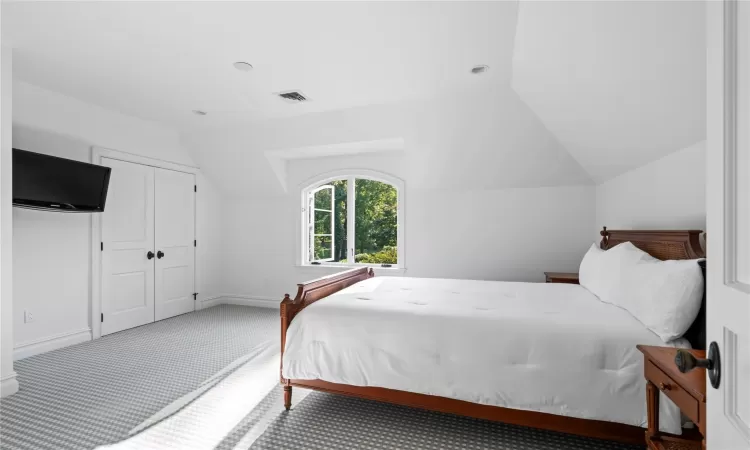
(389, 255)
(375, 221)
(375, 216)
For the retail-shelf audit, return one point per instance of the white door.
(728, 224)
(127, 228)
(175, 250)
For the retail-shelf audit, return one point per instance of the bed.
(549, 356)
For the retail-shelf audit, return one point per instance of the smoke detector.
(292, 96)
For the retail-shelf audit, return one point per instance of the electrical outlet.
(28, 316)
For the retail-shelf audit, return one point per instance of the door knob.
(685, 362)
(150, 255)
(160, 254)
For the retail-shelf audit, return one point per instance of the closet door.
(127, 227)
(175, 251)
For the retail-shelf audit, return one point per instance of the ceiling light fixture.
(476, 70)
(243, 66)
(198, 112)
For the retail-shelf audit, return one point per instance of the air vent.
(292, 97)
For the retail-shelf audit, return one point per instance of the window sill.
(342, 267)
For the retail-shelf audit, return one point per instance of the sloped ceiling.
(618, 83)
(483, 138)
(577, 92)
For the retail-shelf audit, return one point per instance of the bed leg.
(287, 397)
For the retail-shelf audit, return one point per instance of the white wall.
(8, 382)
(510, 234)
(490, 194)
(669, 193)
(52, 259)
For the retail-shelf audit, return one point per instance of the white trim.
(729, 358)
(278, 158)
(730, 149)
(208, 302)
(49, 343)
(101, 152)
(251, 300)
(383, 177)
(242, 300)
(335, 268)
(97, 153)
(8, 385)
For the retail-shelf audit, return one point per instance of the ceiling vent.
(292, 96)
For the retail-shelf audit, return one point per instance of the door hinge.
(102, 245)
(102, 317)
(195, 243)
(195, 296)
(195, 188)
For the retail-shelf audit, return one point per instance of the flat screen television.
(58, 184)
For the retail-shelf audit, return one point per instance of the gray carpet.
(325, 421)
(95, 393)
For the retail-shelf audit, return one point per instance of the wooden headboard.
(661, 244)
(668, 244)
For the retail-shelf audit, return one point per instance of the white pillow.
(665, 296)
(601, 270)
(590, 274)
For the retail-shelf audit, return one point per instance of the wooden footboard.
(312, 291)
(309, 293)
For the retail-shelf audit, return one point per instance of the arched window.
(353, 218)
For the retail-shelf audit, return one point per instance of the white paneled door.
(175, 234)
(148, 253)
(728, 210)
(127, 228)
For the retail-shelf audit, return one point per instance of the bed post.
(604, 244)
(286, 303)
(308, 293)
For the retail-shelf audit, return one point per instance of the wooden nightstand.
(561, 277)
(686, 390)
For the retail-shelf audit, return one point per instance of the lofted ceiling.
(577, 90)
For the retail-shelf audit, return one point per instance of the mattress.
(554, 348)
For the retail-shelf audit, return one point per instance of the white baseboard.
(243, 300)
(36, 347)
(251, 300)
(8, 385)
(208, 302)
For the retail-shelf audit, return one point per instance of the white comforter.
(553, 348)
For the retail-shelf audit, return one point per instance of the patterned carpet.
(325, 421)
(95, 393)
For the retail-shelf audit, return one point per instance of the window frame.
(313, 183)
(311, 220)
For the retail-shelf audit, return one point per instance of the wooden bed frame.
(660, 244)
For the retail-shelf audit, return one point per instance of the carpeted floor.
(96, 393)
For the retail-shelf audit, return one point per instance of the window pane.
(323, 199)
(321, 248)
(375, 222)
(339, 223)
(322, 222)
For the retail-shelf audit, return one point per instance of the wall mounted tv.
(58, 184)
